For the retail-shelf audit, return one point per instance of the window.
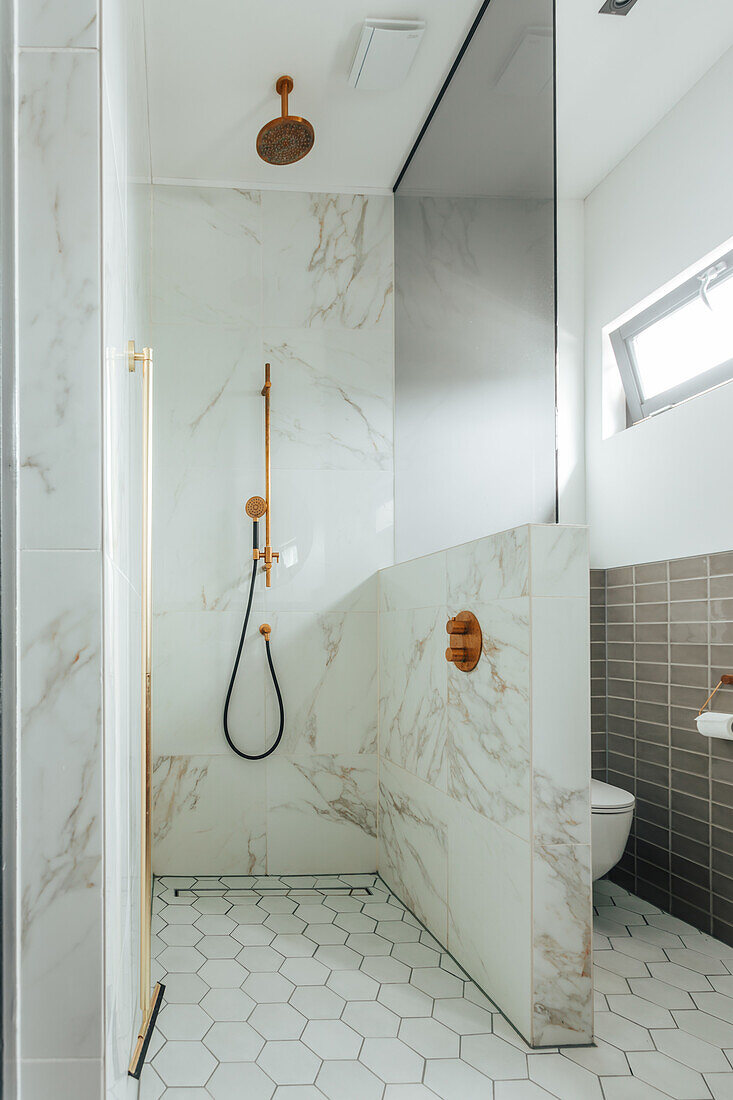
(680, 346)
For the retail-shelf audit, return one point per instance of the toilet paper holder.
(725, 681)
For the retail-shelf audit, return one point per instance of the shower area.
(329, 809)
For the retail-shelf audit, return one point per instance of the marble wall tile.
(208, 409)
(58, 265)
(560, 653)
(50, 24)
(411, 584)
(413, 679)
(413, 845)
(202, 541)
(206, 259)
(334, 532)
(559, 560)
(562, 1001)
(489, 720)
(332, 409)
(209, 815)
(194, 657)
(493, 568)
(490, 910)
(327, 260)
(327, 670)
(60, 772)
(321, 814)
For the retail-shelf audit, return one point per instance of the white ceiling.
(212, 66)
(618, 77)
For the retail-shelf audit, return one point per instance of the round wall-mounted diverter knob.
(464, 650)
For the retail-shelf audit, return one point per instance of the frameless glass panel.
(688, 342)
(475, 290)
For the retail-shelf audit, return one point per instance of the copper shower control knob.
(464, 650)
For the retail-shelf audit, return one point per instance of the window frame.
(622, 343)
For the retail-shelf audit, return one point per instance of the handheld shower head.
(255, 507)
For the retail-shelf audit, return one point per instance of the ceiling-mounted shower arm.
(269, 554)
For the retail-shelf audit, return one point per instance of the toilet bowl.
(612, 811)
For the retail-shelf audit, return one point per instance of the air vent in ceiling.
(385, 53)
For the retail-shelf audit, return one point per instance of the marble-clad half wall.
(305, 282)
(484, 806)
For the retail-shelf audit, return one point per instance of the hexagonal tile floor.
(329, 989)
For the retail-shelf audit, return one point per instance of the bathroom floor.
(302, 988)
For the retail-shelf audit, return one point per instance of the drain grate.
(237, 894)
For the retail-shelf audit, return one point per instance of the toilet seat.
(606, 799)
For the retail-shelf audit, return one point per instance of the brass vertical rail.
(149, 1000)
(269, 553)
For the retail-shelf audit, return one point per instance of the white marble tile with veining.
(58, 300)
(208, 409)
(413, 847)
(560, 720)
(331, 398)
(420, 582)
(559, 561)
(413, 681)
(488, 569)
(321, 813)
(206, 255)
(490, 919)
(489, 720)
(327, 670)
(327, 260)
(209, 815)
(562, 1003)
(49, 24)
(61, 792)
(194, 659)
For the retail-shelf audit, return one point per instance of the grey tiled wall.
(668, 639)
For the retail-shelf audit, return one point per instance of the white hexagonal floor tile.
(383, 911)
(212, 905)
(318, 1003)
(260, 959)
(369, 944)
(285, 923)
(430, 1038)
(289, 1063)
(253, 935)
(298, 1092)
(278, 905)
(436, 982)
(462, 1016)
(223, 973)
(295, 946)
(231, 1005)
(179, 914)
(416, 954)
(183, 1022)
(398, 931)
(391, 1060)
(214, 924)
(184, 988)
(331, 1039)
(371, 1019)
(326, 934)
(181, 960)
(184, 1064)
(218, 947)
(405, 1000)
(314, 913)
(268, 988)
(493, 1056)
(453, 1079)
(305, 971)
(383, 968)
(235, 1080)
(336, 957)
(247, 914)
(353, 985)
(278, 1021)
(355, 922)
(180, 935)
(234, 1042)
(338, 1080)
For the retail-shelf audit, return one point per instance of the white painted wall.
(659, 489)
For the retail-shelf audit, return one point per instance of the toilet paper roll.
(712, 724)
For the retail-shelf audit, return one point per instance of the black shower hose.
(232, 746)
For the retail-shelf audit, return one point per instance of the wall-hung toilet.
(612, 811)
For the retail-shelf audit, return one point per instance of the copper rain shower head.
(288, 138)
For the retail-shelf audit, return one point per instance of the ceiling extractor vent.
(617, 7)
(385, 53)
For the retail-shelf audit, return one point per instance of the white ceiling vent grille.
(385, 53)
